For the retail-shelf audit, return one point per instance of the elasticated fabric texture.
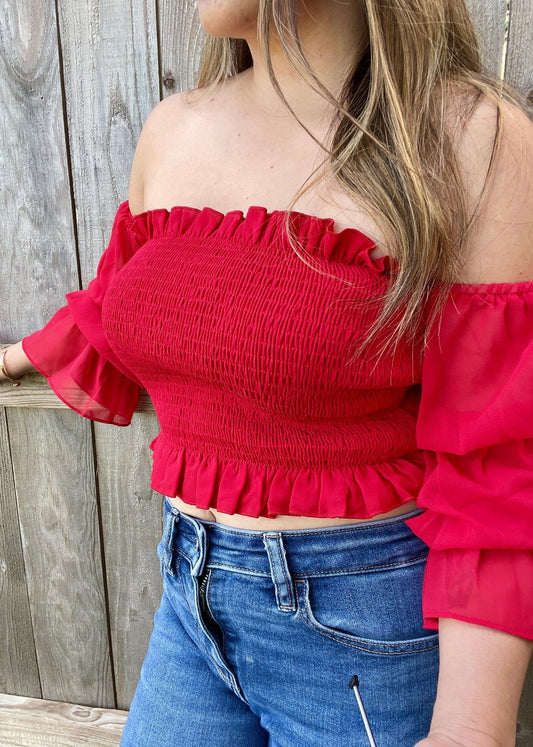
(244, 346)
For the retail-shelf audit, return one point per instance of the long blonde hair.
(391, 149)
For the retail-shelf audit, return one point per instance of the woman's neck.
(332, 36)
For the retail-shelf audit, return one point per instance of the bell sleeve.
(72, 350)
(475, 426)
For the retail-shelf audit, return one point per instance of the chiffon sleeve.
(72, 350)
(475, 425)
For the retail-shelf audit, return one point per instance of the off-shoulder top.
(244, 348)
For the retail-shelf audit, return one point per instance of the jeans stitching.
(370, 525)
(282, 561)
(200, 633)
(364, 568)
(300, 576)
(372, 647)
(208, 605)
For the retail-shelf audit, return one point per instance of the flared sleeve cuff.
(72, 350)
(475, 427)
(493, 588)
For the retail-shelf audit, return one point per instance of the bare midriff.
(262, 523)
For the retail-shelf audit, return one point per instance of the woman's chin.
(229, 18)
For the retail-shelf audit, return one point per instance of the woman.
(315, 387)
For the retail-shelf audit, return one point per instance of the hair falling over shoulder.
(391, 142)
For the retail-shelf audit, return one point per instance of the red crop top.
(243, 349)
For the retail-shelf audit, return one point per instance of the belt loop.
(198, 560)
(279, 570)
(173, 520)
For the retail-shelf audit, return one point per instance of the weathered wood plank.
(38, 256)
(61, 540)
(525, 714)
(19, 672)
(519, 58)
(110, 66)
(111, 83)
(489, 19)
(35, 392)
(42, 723)
(51, 450)
(181, 43)
(131, 525)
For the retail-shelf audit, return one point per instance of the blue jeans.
(259, 633)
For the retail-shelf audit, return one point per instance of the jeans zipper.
(202, 594)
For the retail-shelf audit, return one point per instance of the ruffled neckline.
(317, 236)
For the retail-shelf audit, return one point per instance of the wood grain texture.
(35, 391)
(489, 20)
(42, 723)
(19, 672)
(524, 736)
(110, 78)
(54, 475)
(132, 527)
(519, 58)
(38, 251)
(111, 83)
(181, 40)
(525, 714)
(51, 450)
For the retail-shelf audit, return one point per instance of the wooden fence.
(79, 579)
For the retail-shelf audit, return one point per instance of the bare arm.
(482, 670)
(481, 677)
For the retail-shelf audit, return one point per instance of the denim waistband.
(318, 551)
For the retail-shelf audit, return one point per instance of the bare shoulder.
(174, 112)
(475, 123)
(174, 120)
(499, 247)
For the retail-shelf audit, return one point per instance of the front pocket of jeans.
(379, 610)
